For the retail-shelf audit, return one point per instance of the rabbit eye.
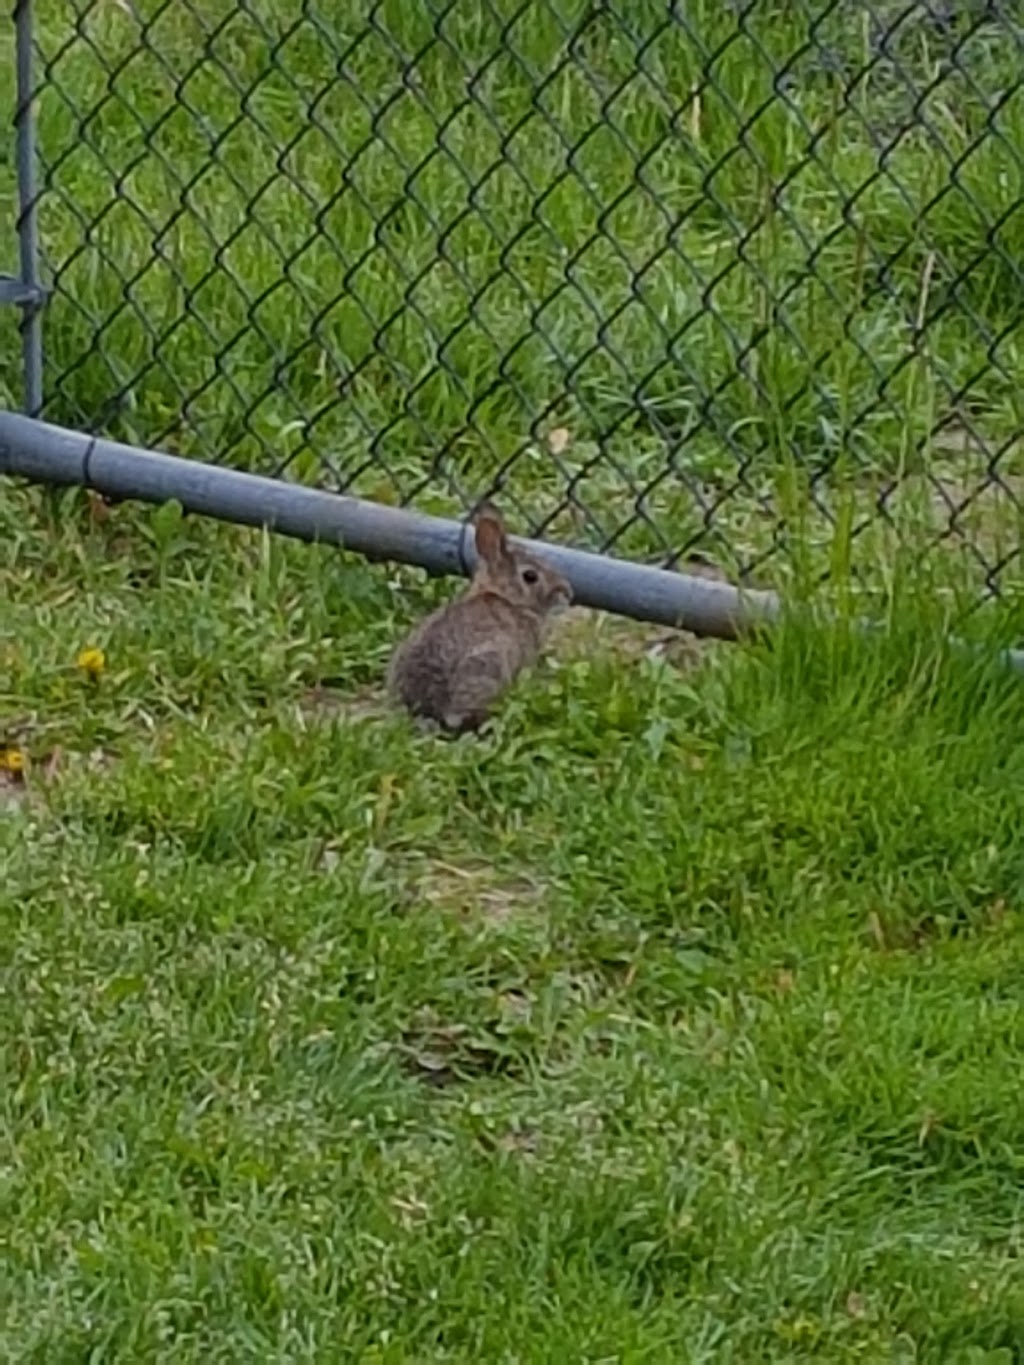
(530, 576)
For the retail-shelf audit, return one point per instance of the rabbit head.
(516, 576)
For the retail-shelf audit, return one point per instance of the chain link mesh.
(732, 280)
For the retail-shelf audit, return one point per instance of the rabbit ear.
(491, 543)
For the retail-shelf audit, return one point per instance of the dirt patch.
(581, 634)
(25, 780)
(986, 511)
(970, 498)
(14, 791)
(441, 1054)
(514, 1142)
(60, 761)
(474, 890)
(326, 705)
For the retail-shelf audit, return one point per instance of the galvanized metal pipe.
(53, 455)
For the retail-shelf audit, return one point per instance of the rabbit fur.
(454, 665)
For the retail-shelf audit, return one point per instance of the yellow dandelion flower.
(92, 661)
(12, 761)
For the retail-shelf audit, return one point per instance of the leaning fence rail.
(40, 452)
(728, 281)
(44, 453)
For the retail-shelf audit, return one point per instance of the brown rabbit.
(457, 662)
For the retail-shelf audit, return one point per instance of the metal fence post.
(31, 295)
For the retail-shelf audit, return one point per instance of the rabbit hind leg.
(482, 677)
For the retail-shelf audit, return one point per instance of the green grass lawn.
(679, 1018)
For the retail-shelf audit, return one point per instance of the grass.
(394, 247)
(678, 1019)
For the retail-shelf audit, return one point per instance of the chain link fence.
(739, 282)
